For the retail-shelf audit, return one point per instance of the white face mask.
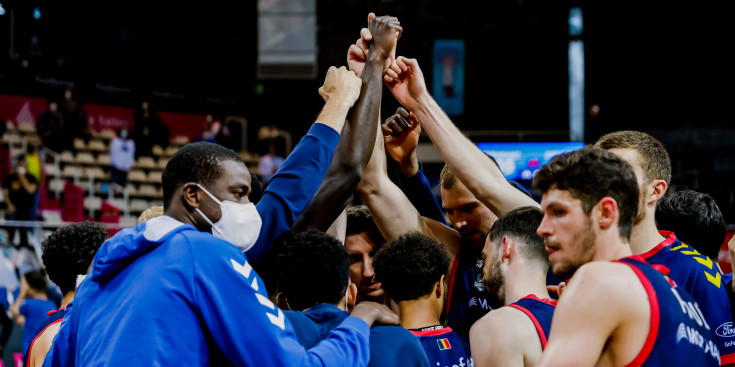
(240, 223)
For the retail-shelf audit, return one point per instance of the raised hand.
(387, 30)
(406, 82)
(401, 136)
(342, 85)
(374, 313)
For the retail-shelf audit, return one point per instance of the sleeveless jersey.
(540, 311)
(445, 348)
(699, 276)
(679, 334)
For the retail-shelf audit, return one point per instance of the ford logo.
(726, 330)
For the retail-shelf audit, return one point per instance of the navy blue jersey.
(445, 348)
(679, 334)
(467, 300)
(540, 311)
(389, 345)
(702, 279)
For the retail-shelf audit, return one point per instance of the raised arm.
(401, 136)
(468, 162)
(358, 135)
(392, 212)
(295, 183)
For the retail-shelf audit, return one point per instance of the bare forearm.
(351, 155)
(392, 212)
(469, 163)
(334, 113)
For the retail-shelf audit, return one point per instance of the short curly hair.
(315, 256)
(69, 250)
(410, 266)
(197, 162)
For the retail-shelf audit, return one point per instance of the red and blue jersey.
(540, 311)
(444, 347)
(702, 279)
(467, 299)
(679, 335)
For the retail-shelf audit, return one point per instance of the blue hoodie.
(389, 345)
(164, 294)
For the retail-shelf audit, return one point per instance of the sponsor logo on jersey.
(444, 344)
(478, 283)
(681, 333)
(476, 301)
(480, 263)
(726, 330)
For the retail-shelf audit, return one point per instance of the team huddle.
(593, 275)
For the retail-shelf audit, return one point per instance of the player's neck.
(519, 284)
(68, 297)
(611, 247)
(645, 236)
(418, 313)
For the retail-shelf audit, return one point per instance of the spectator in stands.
(149, 130)
(19, 190)
(67, 254)
(230, 135)
(35, 168)
(31, 310)
(696, 218)
(50, 126)
(269, 163)
(315, 311)
(75, 120)
(212, 128)
(122, 156)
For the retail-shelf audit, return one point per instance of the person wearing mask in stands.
(122, 156)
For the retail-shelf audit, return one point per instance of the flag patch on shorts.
(444, 344)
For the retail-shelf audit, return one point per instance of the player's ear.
(657, 189)
(439, 289)
(351, 296)
(507, 246)
(607, 214)
(282, 302)
(190, 194)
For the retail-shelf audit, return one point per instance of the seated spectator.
(269, 163)
(32, 305)
(411, 270)
(212, 128)
(314, 311)
(19, 190)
